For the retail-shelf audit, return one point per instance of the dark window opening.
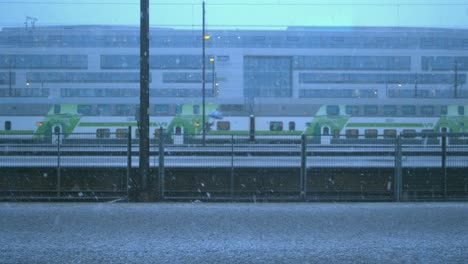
(333, 110)
(103, 133)
(292, 126)
(223, 125)
(7, 125)
(276, 126)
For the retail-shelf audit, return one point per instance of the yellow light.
(207, 37)
(196, 124)
(39, 123)
(211, 59)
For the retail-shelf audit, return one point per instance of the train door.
(56, 134)
(325, 137)
(178, 135)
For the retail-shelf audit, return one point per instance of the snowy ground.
(234, 233)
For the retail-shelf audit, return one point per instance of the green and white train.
(328, 125)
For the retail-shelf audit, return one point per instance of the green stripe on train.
(385, 125)
(16, 132)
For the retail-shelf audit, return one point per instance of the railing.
(237, 167)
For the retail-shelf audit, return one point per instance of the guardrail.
(300, 167)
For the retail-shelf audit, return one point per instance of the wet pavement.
(234, 233)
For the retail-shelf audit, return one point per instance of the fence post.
(444, 165)
(232, 168)
(59, 183)
(303, 179)
(397, 178)
(129, 159)
(161, 163)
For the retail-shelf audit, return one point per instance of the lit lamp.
(212, 60)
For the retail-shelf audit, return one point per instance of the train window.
(389, 133)
(178, 109)
(196, 109)
(157, 132)
(84, 109)
(409, 133)
(223, 125)
(428, 133)
(408, 110)
(370, 133)
(121, 133)
(292, 126)
(427, 110)
(389, 110)
(352, 133)
(461, 110)
(103, 133)
(370, 110)
(56, 109)
(276, 126)
(352, 110)
(326, 131)
(333, 110)
(336, 133)
(443, 110)
(7, 125)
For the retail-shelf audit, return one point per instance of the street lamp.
(213, 74)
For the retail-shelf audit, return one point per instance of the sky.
(242, 14)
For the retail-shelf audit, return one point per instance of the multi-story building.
(374, 71)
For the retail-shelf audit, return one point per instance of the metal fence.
(236, 167)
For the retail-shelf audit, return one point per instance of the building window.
(389, 110)
(461, 110)
(408, 110)
(427, 110)
(57, 109)
(162, 108)
(370, 110)
(352, 110)
(196, 109)
(333, 110)
(443, 110)
(7, 125)
(178, 109)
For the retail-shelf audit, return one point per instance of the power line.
(232, 4)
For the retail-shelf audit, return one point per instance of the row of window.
(172, 62)
(444, 63)
(24, 92)
(267, 76)
(392, 110)
(338, 93)
(353, 63)
(282, 40)
(387, 133)
(121, 133)
(7, 78)
(29, 61)
(186, 77)
(114, 92)
(364, 78)
(83, 77)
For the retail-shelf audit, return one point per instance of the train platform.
(234, 232)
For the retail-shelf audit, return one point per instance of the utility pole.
(203, 77)
(143, 124)
(415, 85)
(455, 84)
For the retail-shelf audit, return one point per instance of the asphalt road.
(234, 233)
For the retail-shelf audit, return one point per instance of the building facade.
(283, 72)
